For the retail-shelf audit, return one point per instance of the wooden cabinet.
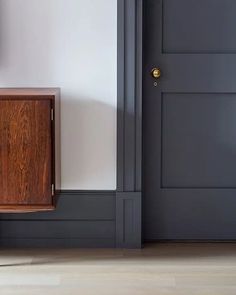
(29, 149)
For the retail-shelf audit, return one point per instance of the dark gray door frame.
(129, 138)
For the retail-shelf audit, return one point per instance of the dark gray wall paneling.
(75, 205)
(57, 229)
(82, 219)
(58, 243)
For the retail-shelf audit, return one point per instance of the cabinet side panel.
(57, 142)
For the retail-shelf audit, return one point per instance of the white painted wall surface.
(69, 44)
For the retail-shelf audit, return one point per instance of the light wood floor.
(162, 269)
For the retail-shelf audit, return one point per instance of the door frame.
(129, 124)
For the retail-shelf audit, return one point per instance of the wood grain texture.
(25, 152)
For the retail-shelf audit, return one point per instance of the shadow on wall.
(35, 52)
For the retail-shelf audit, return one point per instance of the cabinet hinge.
(53, 190)
(52, 114)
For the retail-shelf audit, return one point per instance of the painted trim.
(128, 220)
(129, 133)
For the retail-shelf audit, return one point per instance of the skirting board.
(88, 219)
(81, 219)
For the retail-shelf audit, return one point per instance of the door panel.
(198, 140)
(25, 153)
(203, 26)
(189, 119)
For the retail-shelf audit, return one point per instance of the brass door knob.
(156, 73)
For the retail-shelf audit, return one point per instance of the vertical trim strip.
(129, 133)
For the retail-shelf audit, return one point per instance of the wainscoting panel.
(82, 219)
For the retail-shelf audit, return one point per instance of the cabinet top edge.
(29, 92)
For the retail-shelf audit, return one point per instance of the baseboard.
(81, 219)
(88, 219)
(57, 243)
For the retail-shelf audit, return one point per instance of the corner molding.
(129, 121)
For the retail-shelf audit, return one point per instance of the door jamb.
(129, 124)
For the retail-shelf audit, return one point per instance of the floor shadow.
(158, 253)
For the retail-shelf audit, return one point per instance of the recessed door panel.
(203, 26)
(198, 140)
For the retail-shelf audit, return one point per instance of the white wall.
(70, 44)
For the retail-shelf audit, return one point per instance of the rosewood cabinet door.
(26, 152)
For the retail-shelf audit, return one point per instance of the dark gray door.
(190, 120)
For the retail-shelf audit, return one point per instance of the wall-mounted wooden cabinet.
(29, 149)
